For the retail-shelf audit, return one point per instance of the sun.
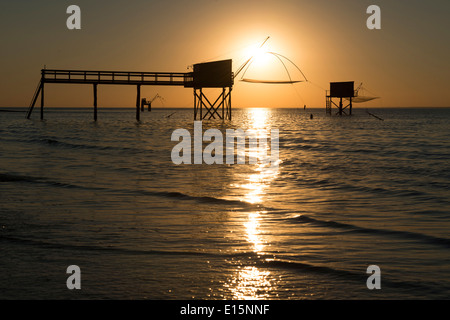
(262, 59)
(257, 51)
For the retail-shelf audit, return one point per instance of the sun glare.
(256, 51)
(262, 59)
(259, 118)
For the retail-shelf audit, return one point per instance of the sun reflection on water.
(252, 227)
(264, 173)
(252, 282)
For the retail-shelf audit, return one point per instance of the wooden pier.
(206, 75)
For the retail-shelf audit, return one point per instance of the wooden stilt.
(201, 104)
(33, 102)
(229, 104)
(42, 100)
(223, 104)
(195, 104)
(350, 105)
(138, 100)
(95, 102)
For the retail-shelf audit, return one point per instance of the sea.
(357, 208)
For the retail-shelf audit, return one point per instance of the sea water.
(348, 193)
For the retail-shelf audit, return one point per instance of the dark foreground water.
(348, 193)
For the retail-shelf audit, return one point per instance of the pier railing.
(116, 77)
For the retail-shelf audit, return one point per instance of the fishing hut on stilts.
(218, 75)
(340, 91)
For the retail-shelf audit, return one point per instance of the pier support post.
(223, 107)
(195, 105)
(201, 104)
(229, 105)
(138, 100)
(42, 100)
(95, 102)
(350, 105)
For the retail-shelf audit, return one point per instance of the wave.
(83, 146)
(253, 258)
(71, 145)
(413, 190)
(6, 177)
(165, 194)
(17, 178)
(444, 242)
(360, 277)
(78, 247)
(119, 250)
(201, 199)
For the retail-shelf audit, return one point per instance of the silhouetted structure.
(206, 75)
(340, 90)
(217, 74)
(148, 103)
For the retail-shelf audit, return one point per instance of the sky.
(406, 62)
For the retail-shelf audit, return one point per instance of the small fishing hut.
(340, 91)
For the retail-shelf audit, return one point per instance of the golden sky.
(406, 62)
